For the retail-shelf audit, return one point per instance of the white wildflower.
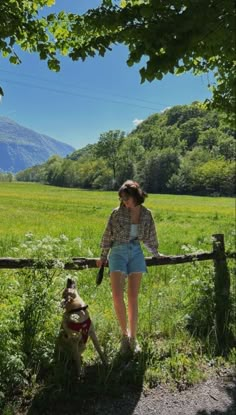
(63, 238)
(15, 249)
(29, 235)
(58, 264)
(78, 241)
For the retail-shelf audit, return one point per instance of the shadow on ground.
(64, 394)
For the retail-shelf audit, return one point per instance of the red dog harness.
(83, 327)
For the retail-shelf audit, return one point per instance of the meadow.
(176, 324)
(47, 210)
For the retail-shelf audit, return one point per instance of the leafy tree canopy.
(173, 36)
(108, 147)
(183, 150)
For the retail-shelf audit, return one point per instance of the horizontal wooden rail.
(221, 277)
(78, 263)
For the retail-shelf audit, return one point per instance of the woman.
(128, 224)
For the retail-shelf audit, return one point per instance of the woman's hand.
(101, 262)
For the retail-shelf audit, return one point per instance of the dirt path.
(216, 396)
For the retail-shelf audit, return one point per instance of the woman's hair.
(132, 189)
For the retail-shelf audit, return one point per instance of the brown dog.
(77, 325)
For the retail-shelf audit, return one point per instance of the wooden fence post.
(222, 293)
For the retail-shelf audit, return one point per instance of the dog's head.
(70, 293)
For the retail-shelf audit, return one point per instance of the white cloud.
(165, 109)
(136, 122)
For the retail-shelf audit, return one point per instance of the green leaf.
(107, 3)
(130, 62)
(14, 60)
(54, 65)
(180, 70)
(199, 34)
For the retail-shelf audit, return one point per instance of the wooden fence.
(221, 277)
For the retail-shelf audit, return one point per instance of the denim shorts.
(127, 258)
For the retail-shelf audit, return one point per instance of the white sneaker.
(134, 346)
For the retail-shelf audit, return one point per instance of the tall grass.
(176, 305)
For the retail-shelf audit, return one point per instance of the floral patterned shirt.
(118, 229)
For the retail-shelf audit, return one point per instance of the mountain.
(21, 147)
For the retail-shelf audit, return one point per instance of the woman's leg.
(134, 281)
(117, 286)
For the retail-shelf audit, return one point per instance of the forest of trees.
(184, 150)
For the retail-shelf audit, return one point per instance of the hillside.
(21, 147)
(184, 150)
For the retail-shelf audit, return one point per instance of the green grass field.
(45, 210)
(176, 303)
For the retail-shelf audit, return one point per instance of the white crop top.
(133, 231)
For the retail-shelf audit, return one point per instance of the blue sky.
(88, 98)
